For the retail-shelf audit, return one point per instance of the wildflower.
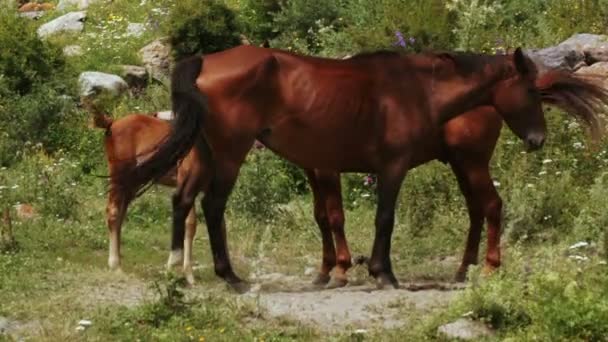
(222, 330)
(578, 145)
(496, 183)
(579, 244)
(542, 173)
(201, 339)
(547, 161)
(188, 328)
(400, 40)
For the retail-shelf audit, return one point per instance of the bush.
(25, 60)
(257, 18)
(206, 26)
(370, 28)
(33, 82)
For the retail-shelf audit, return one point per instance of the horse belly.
(320, 149)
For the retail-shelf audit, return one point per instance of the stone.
(572, 54)
(156, 58)
(64, 5)
(135, 29)
(70, 22)
(72, 51)
(135, 76)
(93, 82)
(5, 325)
(464, 329)
(598, 70)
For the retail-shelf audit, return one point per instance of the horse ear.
(521, 62)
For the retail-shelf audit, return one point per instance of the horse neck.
(455, 94)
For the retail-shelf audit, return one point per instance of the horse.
(134, 135)
(375, 113)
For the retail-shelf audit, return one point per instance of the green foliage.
(25, 60)
(549, 297)
(300, 22)
(256, 17)
(364, 27)
(206, 26)
(265, 182)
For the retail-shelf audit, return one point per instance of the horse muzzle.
(534, 141)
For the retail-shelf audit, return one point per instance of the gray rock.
(70, 22)
(598, 70)
(156, 57)
(5, 325)
(69, 4)
(93, 82)
(573, 53)
(72, 51)
(136, 76)
(135, 29)
(464, 329)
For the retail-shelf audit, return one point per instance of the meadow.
(552, 285)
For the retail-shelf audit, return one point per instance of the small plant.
(8, 244)
(170, 302)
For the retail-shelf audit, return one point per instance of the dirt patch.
(356, 307)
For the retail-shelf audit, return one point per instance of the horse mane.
(581, 96)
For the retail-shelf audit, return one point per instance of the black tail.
(189, 107)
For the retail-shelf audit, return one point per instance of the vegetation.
(50, 158)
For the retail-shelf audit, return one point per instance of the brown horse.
(374, 113)
(128, 141)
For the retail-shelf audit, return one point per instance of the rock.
(135, 29)
(464, 329)
(573, 53)
(72, 51)
(93, 82)
(36, 7)
(25, 211)
(156, 57)
(80, 4)
(599, 70)
(166, 115)
(34, 15)
(5, 325)
(70, 22)
(135, 76)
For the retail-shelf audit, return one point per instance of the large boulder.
(70, 22)
(93, 82)
(573, 53)
(156, 58)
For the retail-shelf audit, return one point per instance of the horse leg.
(116, 209)
(485, 202)
(475, 210)
(335, 215)
(328, 260)
(190, 233)
(214, 205)
(389, 184)
(183, 201)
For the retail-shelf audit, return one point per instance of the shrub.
(25, 60)
(257, 18)
(206, 26)
(370, 28)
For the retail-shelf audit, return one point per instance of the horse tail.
(189, 106)
(100, 118)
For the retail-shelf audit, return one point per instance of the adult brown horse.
(374, 113)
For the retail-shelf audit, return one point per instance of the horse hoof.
(335, 283)
(321, 279)
(460, 277)
(385, 280)
(240, 287)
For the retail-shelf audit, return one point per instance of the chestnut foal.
(125, 138)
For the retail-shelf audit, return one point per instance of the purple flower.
(400, 40)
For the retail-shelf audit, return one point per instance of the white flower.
(547, 161)
(579, 244)
(496, 183)
(578, 145)
(542, 173)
